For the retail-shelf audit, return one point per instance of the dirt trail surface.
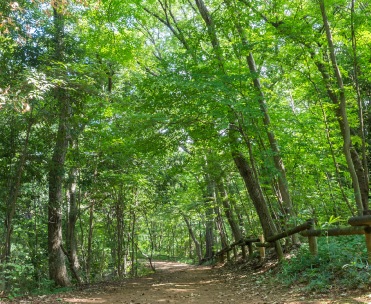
(181, 283)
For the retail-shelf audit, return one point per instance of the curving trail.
(181, 283)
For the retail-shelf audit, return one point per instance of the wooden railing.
(233, 247)
(358, 225)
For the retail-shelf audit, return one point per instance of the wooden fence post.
(243, 250)
(222, 257)
(365, 221)
(368, 242)
(279, 251)
(312, 240)
(262, 249)
(313, 246)
(251, 251)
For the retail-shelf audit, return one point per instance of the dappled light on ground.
(181, 283)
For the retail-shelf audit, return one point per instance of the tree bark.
(363, 173)
(57, 266)
(253, 186)
(152, 239)
(71, 225)
(340, 100)
(236, 231)
(209, 235)
(132, 236)
(90, 241)
(336, 165)
(212, 32)
(220, 226)
(120, 231)
(209, 232)
(194, 239)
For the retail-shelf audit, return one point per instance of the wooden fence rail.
(307, 225)
(333, 231)
(242, 243)
(359, 225)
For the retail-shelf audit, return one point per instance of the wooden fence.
(358, 225)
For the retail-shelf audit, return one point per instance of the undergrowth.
(341, 263)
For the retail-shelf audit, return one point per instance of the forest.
(168, 129)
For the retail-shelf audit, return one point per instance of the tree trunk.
(57, 266)
(90, 242)
(133, 255)
(252, 186)
(71, 231)
(152, 239)
(363, 174)
(209, 232)
(236, 231)
(341, 112)
(194, 239)
(336, 165)
(119, 231)
(212, 32)
(278, 162)
(209, 236)
(220, 226)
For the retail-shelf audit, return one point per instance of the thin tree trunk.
(342, 112)
(170, 22)
(209, 235)
(233, 188)
(336, 165)
(120, 228)
(133, 256)
(194, 239)
(57, 266)
(71, 226)
(363, 174)
(254, 190)
(220, 226)
(151, 239)
(236, 231)
(278, 162)
(89, 258)
(209, 212)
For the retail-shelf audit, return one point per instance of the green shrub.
(341, 262)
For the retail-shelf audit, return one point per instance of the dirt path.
(181, 283)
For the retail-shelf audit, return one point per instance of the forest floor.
(181, 283)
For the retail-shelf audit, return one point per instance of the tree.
(57, 266)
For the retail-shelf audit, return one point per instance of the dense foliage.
(134, 129)
(341, 264)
